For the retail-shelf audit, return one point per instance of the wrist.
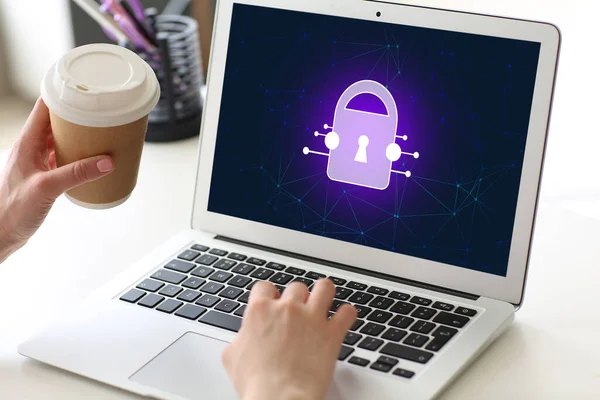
(279, 392)
(7, 243)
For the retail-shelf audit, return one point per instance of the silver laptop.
(393, 149)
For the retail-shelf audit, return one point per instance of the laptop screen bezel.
(509, 288)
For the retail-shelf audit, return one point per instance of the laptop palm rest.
(191, 368)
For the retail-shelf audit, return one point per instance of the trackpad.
(190, 368)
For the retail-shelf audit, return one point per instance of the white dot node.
(363, 141)
(332, 140)
(317, 133)
(408, 174)
(393, 152)
(305, 151)
(416, 155)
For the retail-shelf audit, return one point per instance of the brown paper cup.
(123, 143)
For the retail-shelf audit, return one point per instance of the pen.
(93, 10)
(138, 24)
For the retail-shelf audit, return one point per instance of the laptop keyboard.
(213, 286)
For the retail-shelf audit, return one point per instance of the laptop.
(396, 150)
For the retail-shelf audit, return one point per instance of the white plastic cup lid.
(100, 85)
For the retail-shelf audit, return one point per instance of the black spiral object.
(178, 66)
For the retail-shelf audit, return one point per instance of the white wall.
(3, 80)
(35, 33)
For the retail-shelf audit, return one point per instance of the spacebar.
(220, 320)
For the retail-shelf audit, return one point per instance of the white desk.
(550, 352)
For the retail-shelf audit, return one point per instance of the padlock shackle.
(369, 87)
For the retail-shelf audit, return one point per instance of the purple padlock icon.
(362, 145)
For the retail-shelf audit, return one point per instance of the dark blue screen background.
(464, 101)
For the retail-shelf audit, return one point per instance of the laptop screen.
(405, 139)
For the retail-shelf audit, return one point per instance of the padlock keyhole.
(361, 154)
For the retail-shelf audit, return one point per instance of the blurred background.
(34, 33)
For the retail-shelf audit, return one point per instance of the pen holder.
(178, 67)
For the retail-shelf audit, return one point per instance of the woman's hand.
(30, 181)
(287, 348)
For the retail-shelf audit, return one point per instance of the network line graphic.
(432, 201)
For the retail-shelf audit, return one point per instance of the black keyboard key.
(190, 312)
(362, 311)
(193, 282)
(372, 329)
(218, 252)
(256, 261)
(189, 295)
(280, 288)
(423, 327)
(212, 287)
(382, 303)
(200, 247)
(150, 285)
(151, 300)
(352, 338)
(406, 353)
(202, 272)
(378, 290)
(437, 343)
(361, 297)
(245, 297)
(443, 306)
(342, 292)
(220, 276)
(188, 255)
(240, 281)
(370, 343)
(243, 269)
(402, 308)
(423, 313)
(420, 301)
(168, 276)
(281, 278)
(379, 316)
(170, 291)
(180, 266)
(357, 324)
(359, 361)
(262, 273)
(240, 311)
(237, 256)
(401, 322)
(275, 266)
(337, 281)
(208, 300)
(455, 320)
(356, 285)
(225, 264)
(206, 259)
(445, 332)
(387, 360)
(221, 320)
(231, 293)
(227, 306)
(169, 305)
(399, 296)
(315, 275)
(403, 373)
(415, 339)
(306, 281)
(295, 271)
(345, 352)
(393, 334)
(250, 286)
(377, 366)
(465, 311)
(336, 304)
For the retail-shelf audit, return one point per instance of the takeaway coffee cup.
(99, 98)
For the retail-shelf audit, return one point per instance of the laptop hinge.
(350, 268)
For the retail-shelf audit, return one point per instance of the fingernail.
(105, 165)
